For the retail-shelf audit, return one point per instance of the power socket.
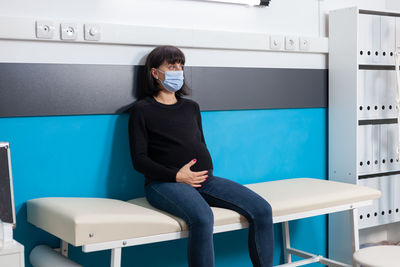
(45, 29)
(305, 44)
(275, 42)
(291, 42)
(69, 31)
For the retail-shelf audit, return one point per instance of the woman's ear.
(154, 73)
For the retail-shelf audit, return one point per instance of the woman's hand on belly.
(187, 176)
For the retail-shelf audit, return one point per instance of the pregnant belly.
(181, 155)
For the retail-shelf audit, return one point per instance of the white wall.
(290, 16)
(283, 17)
(393, 5)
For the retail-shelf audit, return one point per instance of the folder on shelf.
(380, 87)
(392, 137)
(369, 215)
(397, 32)
(376, 148)
(388, 39)
(384, 162)
(365, 39)
(390, 95)
(364, 149)
(376, 39)
(373, 85)
(396, 197)
(361, 95)
(385, 202)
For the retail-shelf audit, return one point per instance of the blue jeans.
(193, 206)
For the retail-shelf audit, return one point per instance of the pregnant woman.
(168, 147)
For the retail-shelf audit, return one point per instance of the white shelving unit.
(363, 130)
(12, 255)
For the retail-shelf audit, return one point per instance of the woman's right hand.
(185, 175)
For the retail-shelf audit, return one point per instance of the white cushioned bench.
(99, 224)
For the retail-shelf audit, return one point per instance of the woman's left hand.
(187, 176)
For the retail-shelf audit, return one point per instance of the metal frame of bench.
(116, 246)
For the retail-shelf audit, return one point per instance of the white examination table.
(99, 224)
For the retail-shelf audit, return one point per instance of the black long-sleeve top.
(163, 138)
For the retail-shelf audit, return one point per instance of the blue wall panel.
(88, 156)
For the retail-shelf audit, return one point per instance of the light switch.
(92, 32)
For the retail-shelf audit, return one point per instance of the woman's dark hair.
(171, 55)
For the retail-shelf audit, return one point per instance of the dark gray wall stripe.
(259, 88)
(29, 89)
(63, 89)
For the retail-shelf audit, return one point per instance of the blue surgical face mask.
(173, 80)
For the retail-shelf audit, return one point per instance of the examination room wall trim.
(131, 34)
(28, 89)
(93, 53)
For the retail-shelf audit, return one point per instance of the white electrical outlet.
(44, 29)
(92, 32)
(69, 31)
(275, 42)
(291, 42)
(305, 44)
